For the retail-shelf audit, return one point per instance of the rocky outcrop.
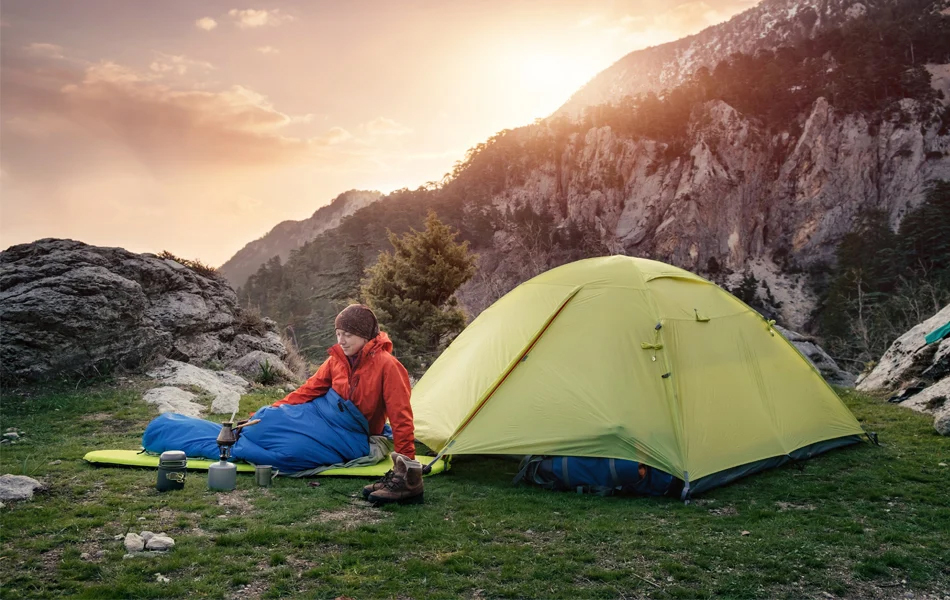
(68, 308)
(915, 373)
(289, 235)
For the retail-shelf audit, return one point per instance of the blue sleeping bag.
(600, 475)
(292, 437)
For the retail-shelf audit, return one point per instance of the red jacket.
(378, 385)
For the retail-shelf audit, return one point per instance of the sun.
(549, 79)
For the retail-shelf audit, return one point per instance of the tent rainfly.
(628, 358)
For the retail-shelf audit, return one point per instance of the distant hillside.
(290, 235)
(767, 26)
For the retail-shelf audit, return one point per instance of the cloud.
(591, 20)
(179, 64)
(336, 135)
(268, 50)
(206, 23)
(45, 50)
(250, 18)
(384, 126)
(69, 120)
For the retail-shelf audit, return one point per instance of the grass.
(862, 522)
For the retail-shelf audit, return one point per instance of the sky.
(196, 126)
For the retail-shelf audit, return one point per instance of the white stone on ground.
(160, 542)
(225, 387)
(134, 542)
(18, 487)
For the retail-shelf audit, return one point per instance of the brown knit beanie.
(358, 320)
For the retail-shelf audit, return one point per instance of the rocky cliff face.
(289, 235)
(770, 24)
(738, 198)
(74, 309)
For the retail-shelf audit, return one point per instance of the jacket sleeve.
(314, 387)
(396, 392)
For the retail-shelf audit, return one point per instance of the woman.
(362, 369)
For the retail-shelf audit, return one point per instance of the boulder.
(69, 308)
(909, 357)
(915, 373)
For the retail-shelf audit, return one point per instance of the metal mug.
(264, 474)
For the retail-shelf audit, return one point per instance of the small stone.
(160, 542)
(127, 556)
(941, 464)
(18, 487)
(85, 556)
(141, 518)
(56, 462)
(12, 435)
(745, 533)
(134, 542)
(99, 553)
(159, 578)
(147, 535)
(118, 537)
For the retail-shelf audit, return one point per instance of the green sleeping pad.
(131, 458)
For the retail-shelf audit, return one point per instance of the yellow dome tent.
(628, 358)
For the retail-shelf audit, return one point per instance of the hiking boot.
(378, 484)
(405, 487)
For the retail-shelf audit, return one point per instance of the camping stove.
(222, 475)
(226, 440)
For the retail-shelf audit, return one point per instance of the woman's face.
(350, 343)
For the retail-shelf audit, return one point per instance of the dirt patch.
(725, 511)
(350, 516)
(786, 506)
(51, 559)
(107, 423)
(235, 502)
(93, 550)
(251, 591)
(300, 565)
(100, 416)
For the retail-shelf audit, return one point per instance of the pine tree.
(412, 291)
